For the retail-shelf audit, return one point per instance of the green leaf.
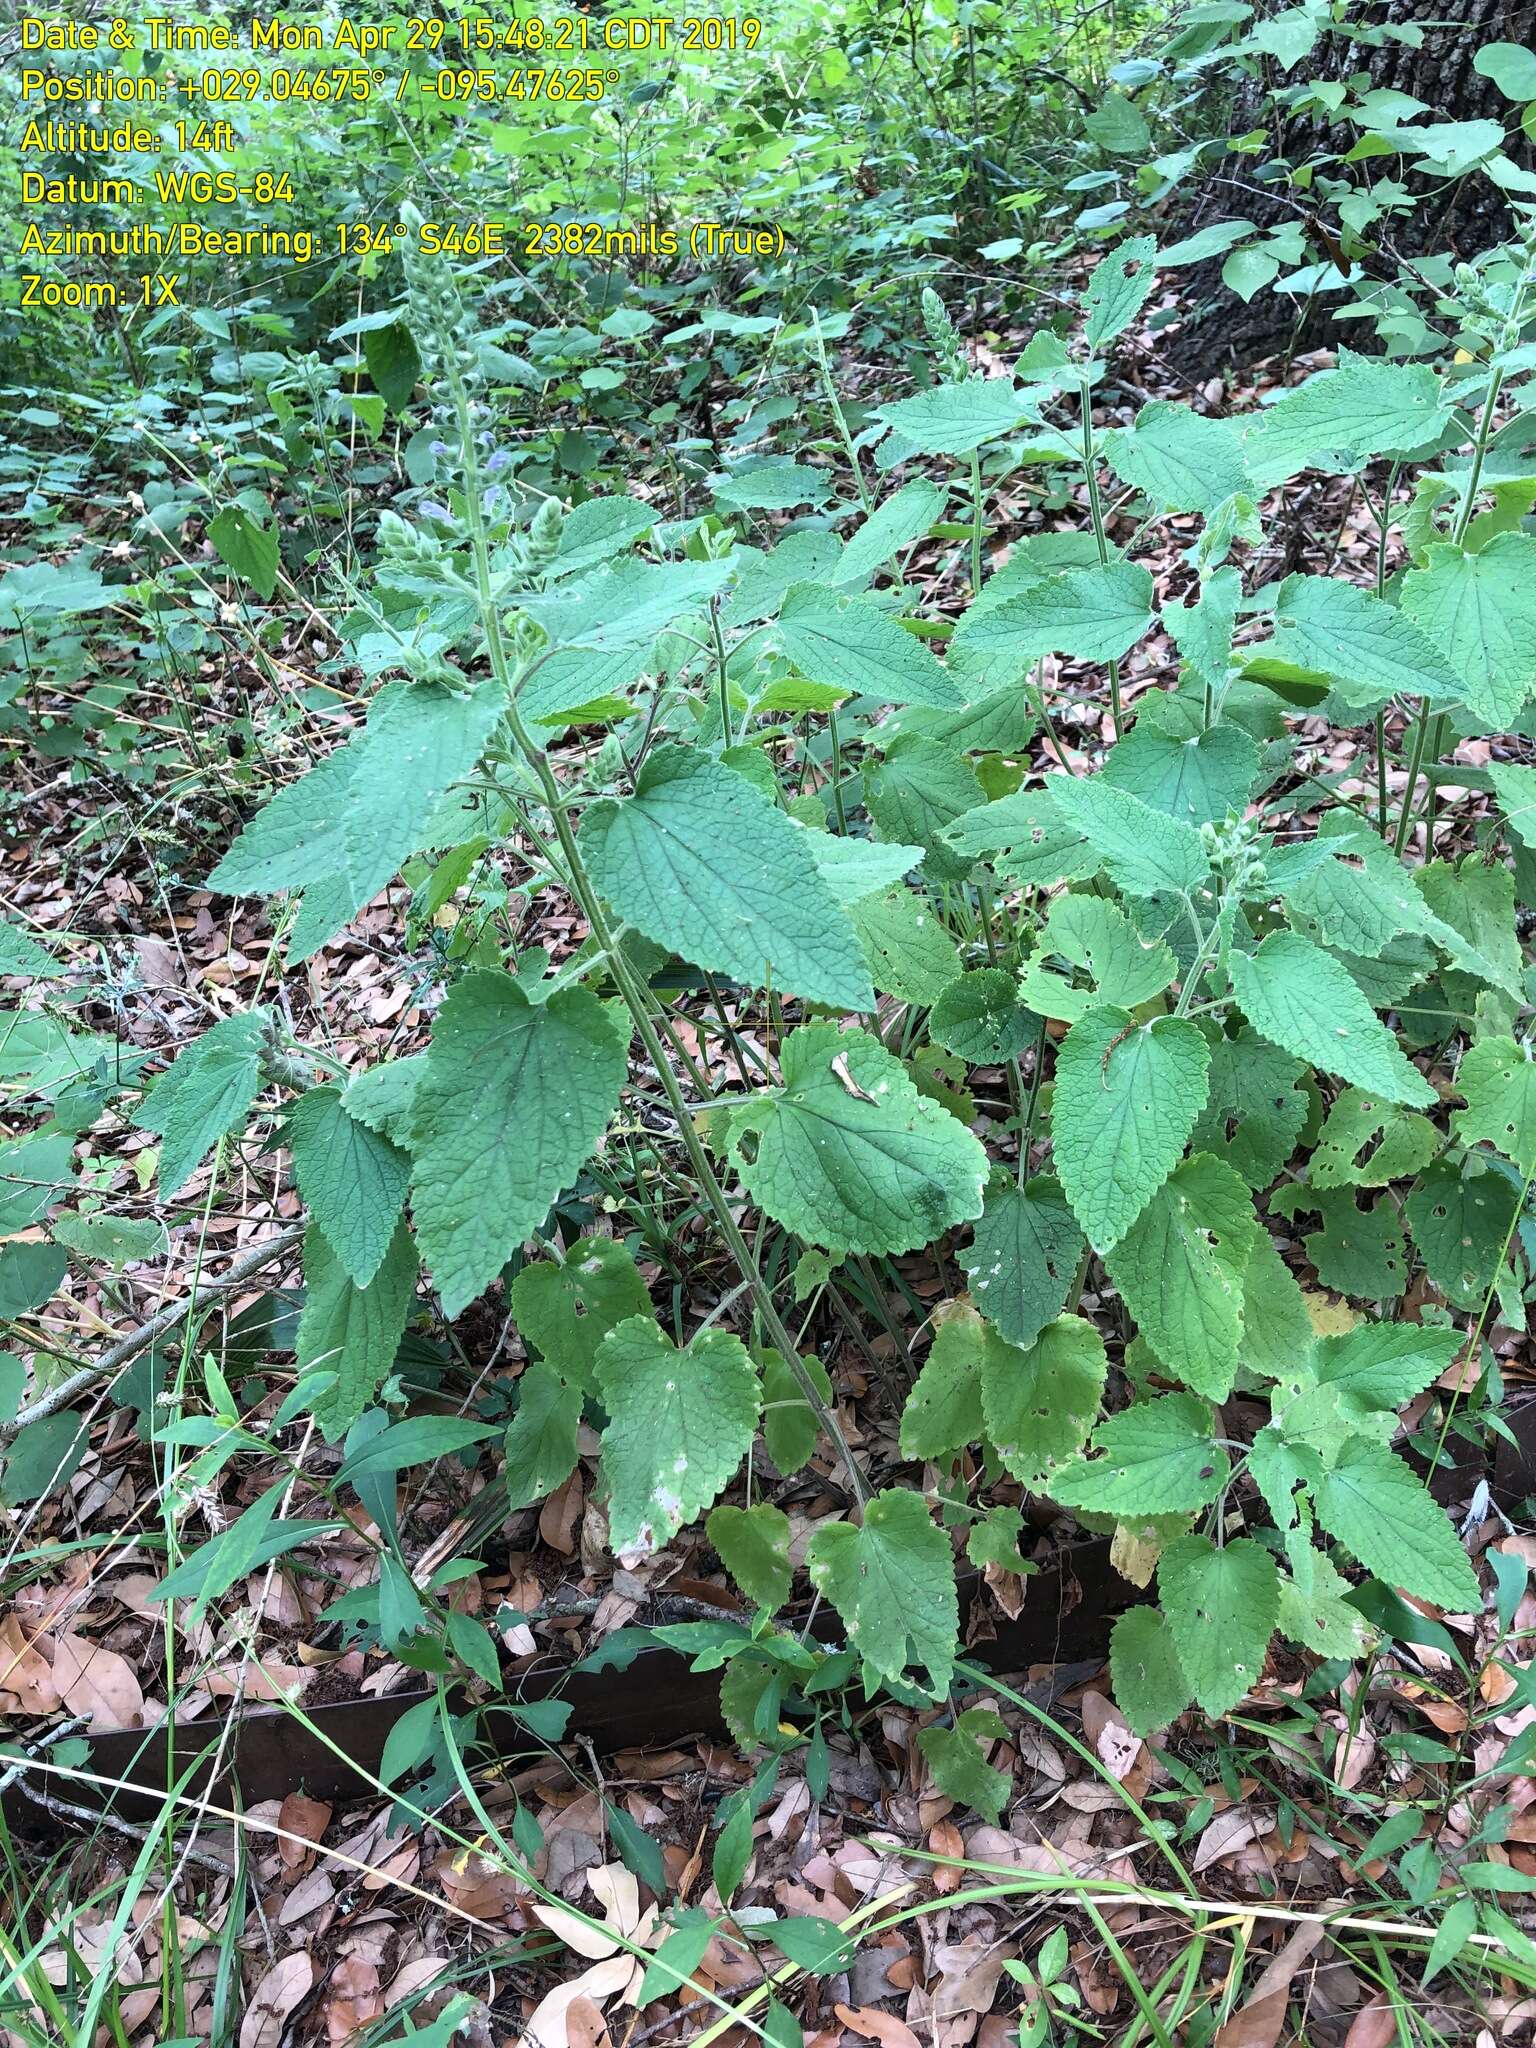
(919, 788)
(1041, 846)
(1118, 288)
(1480, 610)
(1515, 788)
(1314, 1609)
(1471, 916)
(393, 363)
(699, 862)
(1378, 1510)
(351, 1331)
(1368, 1144)
(1181, 1268)
(854, 645)
(1222, 1606)
(1462, 1219)
(566, 1311)
(250, 550)
(1125, 968)
(904, 518)
(541, 1439)
(1377, 1368)
(909, 952)
(790, 1423)
(848, 1155)
(1340, 418)
(1156, 1457)
(1255, 1109)
(754, 1547)
(1095, 613)
(979, 1016)
(1301, 999)
(1179, 460)
(1126, 1099)
(206, 1094)
(1197, 779)
(348, 824)
(1022, 1257)
(956, 419)
(21, 954)
(893, 1582)
(942, 1412)
(353, 1181)
(1366, 648)
(1359, 1251)
(1498, 1079)
(29, 1274)
(958, 1762)
(117, 1241)
(1512, 67)
(34, 1174)
(811, 1942)
(679, 1424)
(381, 1096)
(678, 1956)
(1150, 1687)
(1040, 1404)
(515, 1097)
(1143, 851)
(855, 869)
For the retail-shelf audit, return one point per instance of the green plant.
(748, 768)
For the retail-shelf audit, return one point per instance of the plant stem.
(1096, 514)
(976, 512)
(835, 404)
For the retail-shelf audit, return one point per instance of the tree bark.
(1460, 219)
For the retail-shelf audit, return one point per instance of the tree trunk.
(1461, 218)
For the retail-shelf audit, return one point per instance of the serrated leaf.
(903, 518)
(1022, 1257)
(919, 789)
(34, 1173)
(1498, 1079)
(955, 419)
(1126, 1099)
(1143, 851)
(1255, 1108)
(348, 824)
(1515, 788)
(850, 643)
(1150, 1686)
(754, 1547)
(1118, 288)
(909, 952)
(958, 1762)
(1041, 847)
(1039, 1404)
(1222, 1606)
(1178, 459)
(1314, 1611)
(1340, 418)
(1379, 1511)
(351, 1331)
(566, 1311)
(21, 954)
(1366, 648)
(29, 1274)
(1470, 914)
(1097, 936)
(381, 1097)
(352, 1179)
(541, 1438)
(1377, 1368)
(206, 1094)
(942, 1411)
(1301, 999)
(701, 863)
(515, 1097)
(980, 1017)
(1181, 1268)
(849, 1155)
(892, 1579)
(1156, 1457)
(679, 1424)
(1365, 1143)
(1480, 609)
(1462, 1221)
(1197, 779)
(854, 869)
(1093, 612)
